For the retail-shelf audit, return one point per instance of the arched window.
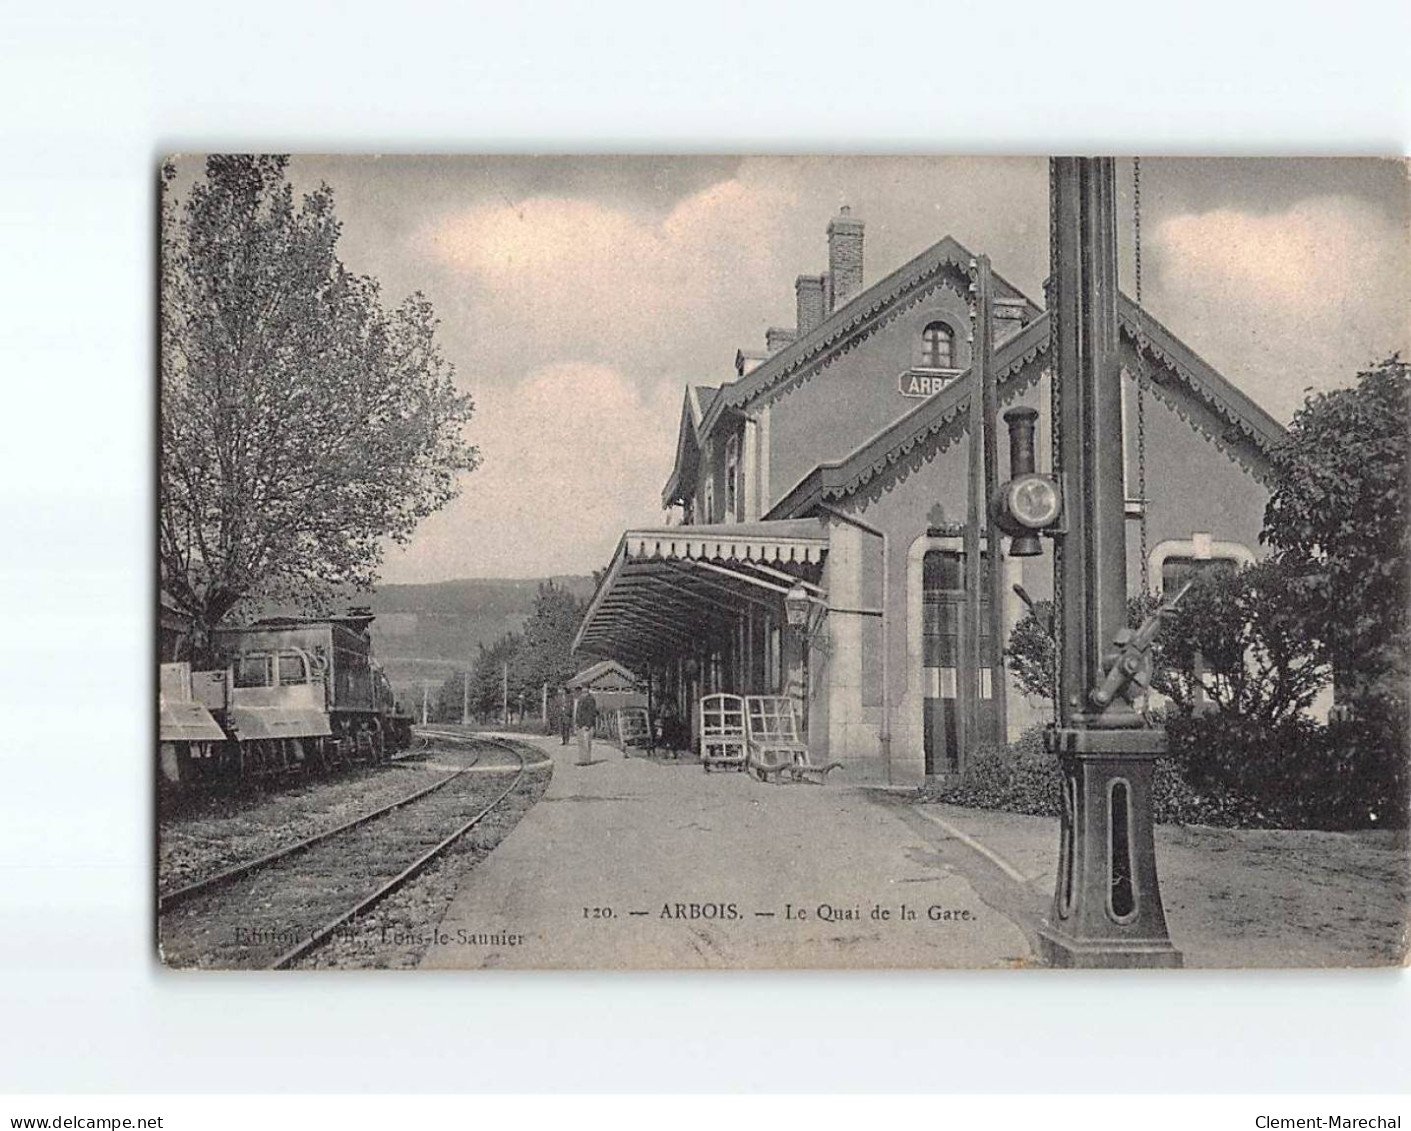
(937, 346)
(1174, 562)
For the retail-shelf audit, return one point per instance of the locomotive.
(289, 694)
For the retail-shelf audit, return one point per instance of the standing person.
(585, 718)
(565, 715)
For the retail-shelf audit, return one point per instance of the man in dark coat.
(585, 718)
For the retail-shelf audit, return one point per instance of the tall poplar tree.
(302, 423)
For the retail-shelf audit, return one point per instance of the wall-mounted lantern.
(796, 603)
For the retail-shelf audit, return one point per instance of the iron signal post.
(1107, 902)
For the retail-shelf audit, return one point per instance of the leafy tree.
(1235, 644)
(548, 637)
(450, 698)
(487, 674)
(1030, 650)
(1340, 508)
(302, 423)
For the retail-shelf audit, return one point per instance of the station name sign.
(925, 382)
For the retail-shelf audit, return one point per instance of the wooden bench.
(722, 733)
(776, 752)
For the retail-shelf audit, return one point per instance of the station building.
(835, 464)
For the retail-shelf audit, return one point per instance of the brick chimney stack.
(844, 258)
(776, 338)
(811, 311)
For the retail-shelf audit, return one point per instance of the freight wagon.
(288, 694)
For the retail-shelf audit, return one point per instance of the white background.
(91, 95)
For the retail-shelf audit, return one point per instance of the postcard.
(659, 562)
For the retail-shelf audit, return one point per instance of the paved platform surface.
(637, 864)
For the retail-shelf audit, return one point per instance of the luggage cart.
(723, 737)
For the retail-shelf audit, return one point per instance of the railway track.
(273, 911)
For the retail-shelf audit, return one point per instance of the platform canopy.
(672, 591)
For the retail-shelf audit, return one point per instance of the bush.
(1295, 774)
(1236, 642)
(1222, 770)
(1019, 778)
(1342, 504)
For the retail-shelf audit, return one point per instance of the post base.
(1063, 950)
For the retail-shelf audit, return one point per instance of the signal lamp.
(1029, 502)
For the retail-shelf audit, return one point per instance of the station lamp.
(796, 602)
(1029, 502)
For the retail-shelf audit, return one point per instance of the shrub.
(1297, 773)
(1018, 778)
(1236, 641)
(1024, 779)
(1222, 770)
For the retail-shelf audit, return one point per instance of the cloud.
(571, 278)
(577, 318)
(1287, 300)
(573, 455)
(675, 290)
(578, 325)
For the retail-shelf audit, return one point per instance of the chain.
(1056, 425)
(1141, 372)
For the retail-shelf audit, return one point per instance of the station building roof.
(947, 258)
(1233, 421)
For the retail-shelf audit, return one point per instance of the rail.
(220, 879)
(322, 934)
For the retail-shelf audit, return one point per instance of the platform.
(638, 864)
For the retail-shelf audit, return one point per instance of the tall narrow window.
(732, 477)
(937, 346)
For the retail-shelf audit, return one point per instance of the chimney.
(809, 289)
(747, 361)
(776, 338)
(844, 257)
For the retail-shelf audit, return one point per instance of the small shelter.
(612, 686)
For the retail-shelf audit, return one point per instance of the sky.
(579, 295)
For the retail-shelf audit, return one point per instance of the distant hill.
(425, 632)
